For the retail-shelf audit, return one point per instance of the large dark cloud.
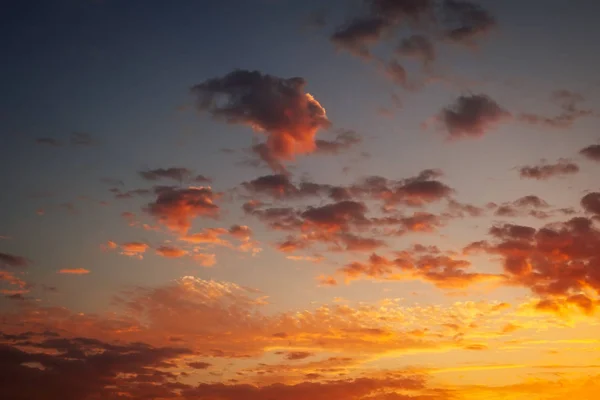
(84, 368)
(279, 107)
(471, 116)
(454, 20)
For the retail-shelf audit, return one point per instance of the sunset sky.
(300, 199)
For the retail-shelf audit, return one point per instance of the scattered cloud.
(471, 116)
(543, 171)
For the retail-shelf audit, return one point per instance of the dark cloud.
(297, 355)
(11, 260)
(530, 205)
(176, 208)
(591, 203)
(82, 368)
(591, 152)
(199, 365)
(347, 389)
(471, 116)
(546, 171)
(279, 107)
(175, 173)
(277, 185)
(360, 33)
(465, 20)
(454, 20)
(337, 216)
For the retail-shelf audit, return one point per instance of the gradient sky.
(281, 199)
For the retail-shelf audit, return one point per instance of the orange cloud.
(278, 107)
(133, 249)
(170, 252)
(177, 208)
(73, 271)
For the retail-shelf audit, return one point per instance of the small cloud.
(471, 116)
(546, 171)
(49, 142)
(73, 271)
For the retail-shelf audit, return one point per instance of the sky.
(285, 199)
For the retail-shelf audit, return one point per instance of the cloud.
(176, 208)
(529, 205)
(591, 152)
(48, 141)
(199, 365)
(350, 389)
(456, 21)
(467, 20)
(297, 355)
(440, 270)
(568, 103)
(336, 216)
(205, 260)
(241, 232)
(170, 252)
(178, 174)
(343, 141)
(73, 271)
(546, 171)
(133, 249)
(555, 262)
(279, 107)
(357, 35)
(78, 368)
(471, 116)
(11, 260)
(591, 203)
(265, 154)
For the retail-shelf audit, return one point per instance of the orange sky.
(358, 200)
